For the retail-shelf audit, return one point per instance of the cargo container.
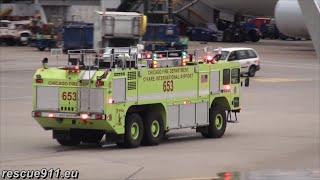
(119, 28)
(77, 36)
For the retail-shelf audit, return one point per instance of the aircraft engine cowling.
(289, 19)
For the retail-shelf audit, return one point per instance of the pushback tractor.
(133, 99)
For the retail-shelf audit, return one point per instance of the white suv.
(248, 58)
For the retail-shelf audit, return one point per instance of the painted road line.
(15, 98)
(305, 65)
(290, 66)
(288, 63)
(280, 80)
(15, 87)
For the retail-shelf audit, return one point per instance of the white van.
(248, 58)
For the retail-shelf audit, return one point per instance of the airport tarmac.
(278, 134)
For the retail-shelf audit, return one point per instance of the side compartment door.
(215, 82)
(202, 108)
(235, 87)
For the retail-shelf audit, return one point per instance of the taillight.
(99, 83)
(209, 58)
(227, 88)
(36, 114)
(84, 116)
(50, 115)
(39, 81)
(148, 56)
(99, 116)
(110, 101)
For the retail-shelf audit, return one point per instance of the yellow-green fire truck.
(133, 100)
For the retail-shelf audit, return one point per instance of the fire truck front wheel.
(134, 131)
(217, 123)
(154, 129)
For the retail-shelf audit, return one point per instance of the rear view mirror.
(247, 82)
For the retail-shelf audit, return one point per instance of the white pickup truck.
(11, 32)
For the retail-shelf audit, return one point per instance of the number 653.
(167, 86)
(69, 96)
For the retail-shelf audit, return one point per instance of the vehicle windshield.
(224, 55)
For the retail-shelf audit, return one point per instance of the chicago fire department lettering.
(168, 74)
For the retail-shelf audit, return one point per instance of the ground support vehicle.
(8, 32)
(253, 34)
(201, 34)
(45, 42)
(241, 33)
(163, 37)
(133, 101)
(204, 34)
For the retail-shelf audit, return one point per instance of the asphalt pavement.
(278, 134)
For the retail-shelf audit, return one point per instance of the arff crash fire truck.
(133, 99)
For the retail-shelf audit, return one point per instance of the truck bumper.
(66, 124)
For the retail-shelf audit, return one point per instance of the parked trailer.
(77, 36)
(118, 29)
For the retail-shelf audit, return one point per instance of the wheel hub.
(134, 130)
(219, 121)
(155, 128)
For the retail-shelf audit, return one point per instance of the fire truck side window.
(235, 76)
(226, 76)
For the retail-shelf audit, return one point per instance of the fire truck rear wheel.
(134, 131)
(217, 123)
(154, 129)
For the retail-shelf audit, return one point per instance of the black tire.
(41, 48)
(154, 129)
(254, 36)
(252, 71)
(228, 36)
(11, 42)
(216, 130)
(131, 139)
(69, 142)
